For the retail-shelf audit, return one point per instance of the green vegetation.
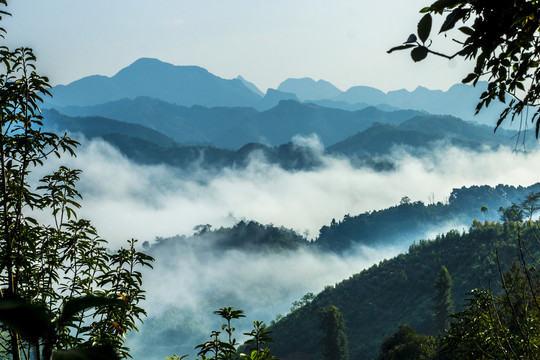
(406, 344)
(400, 291)
(246, 235)
(63, 295)
(216, 348)
(502, 37)
(334, 342)
(444, 306)
(413, 219)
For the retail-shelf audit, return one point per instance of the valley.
(256, 206)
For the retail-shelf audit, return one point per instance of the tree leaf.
(424, 27)
(452, 19)
(440, 5)
(469, 78)
(93, 353)
(419, 53)
(411, 39)
(30, 321)
(401, 47)
(466, 30)
(76, 305)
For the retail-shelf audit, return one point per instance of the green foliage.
(247, 235)
(260, 335)
(67, 292)
(406, 344)
(400, 290)
(444, 306)
(531, 204)
(409, 218)
(334, 342)
(34, 323)
(259, 355)
(514, 213)
(306, 299)
(501, 36)
(216, 349)
(497, 326)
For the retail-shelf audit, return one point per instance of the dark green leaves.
(452, 18)
(419, 53)
(76, 305)
(466, 30)
(92, 353)
(401, 47)
(469, 78)
(441, 5)
(411, 39)
(500, 37)
(30, 321)
(424, 27)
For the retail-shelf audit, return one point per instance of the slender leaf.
(76, 305)
(452, 19)
(424, 27)
(401, 47)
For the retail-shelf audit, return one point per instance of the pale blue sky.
(341, 41)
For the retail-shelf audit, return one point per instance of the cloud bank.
(126, 200)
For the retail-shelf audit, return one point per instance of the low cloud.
(126, 200)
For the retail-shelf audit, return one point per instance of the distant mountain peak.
(179, 84)
(157, 67)
(251, 86)
(309, 89)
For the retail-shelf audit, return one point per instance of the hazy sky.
(341, 41)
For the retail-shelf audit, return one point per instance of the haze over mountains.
(167, 149)
(185, 114)
(193, 85)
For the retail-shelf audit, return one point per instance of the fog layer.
(126, 200)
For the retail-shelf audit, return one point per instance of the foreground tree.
(442, 299)
(334, 342)
(58, 270)
(497, 326)
(502, 37)
(505, 325)
(406, 344)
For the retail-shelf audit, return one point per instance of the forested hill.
(422, 132)
(233, 127)
(249, 246)
(400, 290)
(406, 222)
(142, 137)
(410, 220)
(246, 235)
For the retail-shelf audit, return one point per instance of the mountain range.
(233, 127)
(193, 85)
(371, 146)
(184, 116)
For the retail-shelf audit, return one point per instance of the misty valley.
(305, 207)
(303, 222)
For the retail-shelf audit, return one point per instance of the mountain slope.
(400, 290)
(400, 223)
(421, 132)
(233, 127)
(97, 126)
(183, 85)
